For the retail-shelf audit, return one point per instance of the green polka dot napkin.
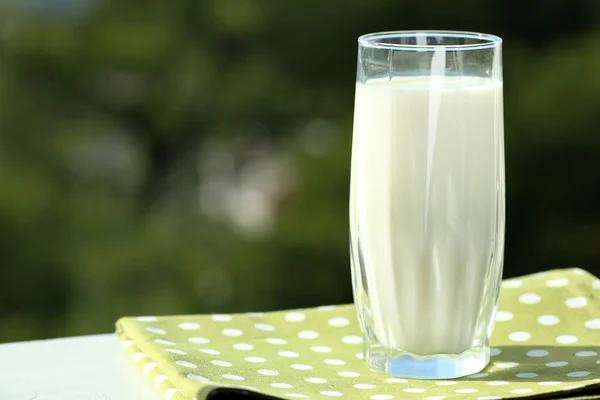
(546, 342)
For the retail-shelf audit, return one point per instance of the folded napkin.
(546, 344)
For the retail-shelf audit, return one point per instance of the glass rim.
(374, 40)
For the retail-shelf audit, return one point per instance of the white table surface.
(80, 368)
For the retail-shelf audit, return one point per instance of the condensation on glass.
(427, 200)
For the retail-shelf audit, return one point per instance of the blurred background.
(192, 156)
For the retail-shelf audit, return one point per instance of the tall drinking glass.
(427, 200)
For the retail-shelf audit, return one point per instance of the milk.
(427, 187)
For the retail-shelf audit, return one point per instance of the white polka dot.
(332, 361)
(348, 374)
(586, 354)
(555, 364)
(149, 367)
(525, 375)
(396, 380)
(339, 322)
(222, 317)
(573, 387)
(243, 346)
(282, 385)
(210, 351)
(592, 324)
(381, 397)
(159, 379)
(256, 314)
(165, 342)
(476, 376)
(327, 308)
(576, 302)
(199, 340)
(330, 393)
(233, 377)
(555, 283)
(320, 349)
(466, 390)
(295, 317)
(596, 284)
(264, 327)
(446, 383)
(494, 351)
(537, 353)
(414, 390)
(232, 332)
(502, 316)
(189, 326)
(308, 334)
(289, 354)
(548, 319)
(170, 392)
(519, 336)
(543, 273)
(567, 339)
(530, 298)
(276, 341)
(578, 374)
(138, 356)
(302, 367)
(128, 343)
(296, 395)
(197, 378)
(221, 363)
(185, 364)
(147, 319)
(549, 383)
(507, 364)
(315, 380)
(512, 283)
(176, 351)
(268, 372)
(359, 355)
(364, 386)
(520, 391)
(255, 359)
(497, 383)
(158, 331)
(352, 339)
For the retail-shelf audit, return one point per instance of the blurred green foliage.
(190, 156)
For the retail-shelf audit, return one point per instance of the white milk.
(426, 162)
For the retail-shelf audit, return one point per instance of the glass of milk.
(427, 200)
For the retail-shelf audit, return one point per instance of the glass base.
(439, 366)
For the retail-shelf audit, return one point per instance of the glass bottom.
(439, 366)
